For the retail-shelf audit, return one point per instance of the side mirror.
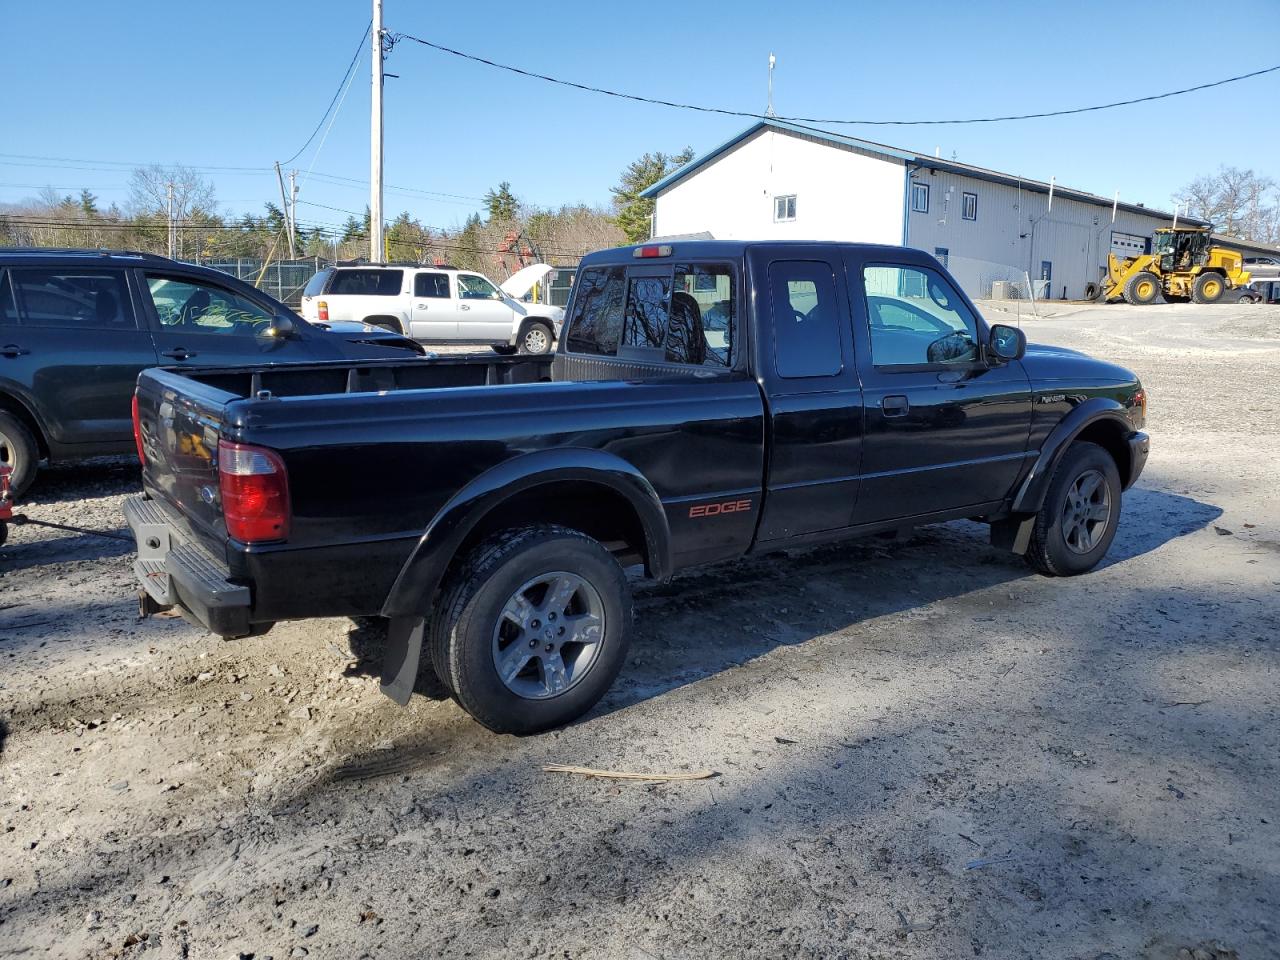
(282, 327)
(1007, 343)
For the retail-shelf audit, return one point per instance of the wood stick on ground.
(626, 775)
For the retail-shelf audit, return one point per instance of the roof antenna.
(768, 112)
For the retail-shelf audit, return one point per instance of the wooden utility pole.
(376, 246)
(173, 232)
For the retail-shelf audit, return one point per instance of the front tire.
(532, 629)
(1081, 513)
(536, 338)
(19, 451)
(1142, 288)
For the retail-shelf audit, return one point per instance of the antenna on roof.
(768, 110)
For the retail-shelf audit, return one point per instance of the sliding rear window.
(684, 314)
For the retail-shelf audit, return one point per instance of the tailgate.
(180, 421)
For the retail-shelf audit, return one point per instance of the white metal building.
(777, 180)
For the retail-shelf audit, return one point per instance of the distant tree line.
(485, 241)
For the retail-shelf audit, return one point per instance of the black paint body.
(393, 466)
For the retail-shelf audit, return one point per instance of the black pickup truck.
(708, 400)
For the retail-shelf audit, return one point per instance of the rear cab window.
(366, 283)
(683, 313)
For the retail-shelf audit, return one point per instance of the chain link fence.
(283, 279)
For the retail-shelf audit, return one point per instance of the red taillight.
(644, 253)
(137, 431)
(322, 311)
(255, 492)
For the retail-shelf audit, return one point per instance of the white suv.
(437, 304)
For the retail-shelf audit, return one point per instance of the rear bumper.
(1139, 449)
(177, 572)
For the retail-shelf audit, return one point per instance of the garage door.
(1128, 244)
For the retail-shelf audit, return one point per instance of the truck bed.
(300, 380)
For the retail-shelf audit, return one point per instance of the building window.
(942, 255)
(920, 197)
(970, 211)
(784, 208)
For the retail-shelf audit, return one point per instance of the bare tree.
(1240, 203)
(193, 195)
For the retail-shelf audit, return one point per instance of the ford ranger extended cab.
(708, 400)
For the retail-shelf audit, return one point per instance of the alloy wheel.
(535, 341)
(1086, 512)
(548, 635)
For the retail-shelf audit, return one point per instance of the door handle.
(178, 353)
(895, 406)
(421, 306)
(463, 306)
(13, 350)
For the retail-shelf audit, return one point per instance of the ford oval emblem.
(206, 494)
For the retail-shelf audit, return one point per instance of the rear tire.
(1208, 288)
(1142, 288)
(1081, 513)
(547, 606)
(536, 338)
(503, 349)
(19, 450)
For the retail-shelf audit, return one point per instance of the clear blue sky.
(241, 84)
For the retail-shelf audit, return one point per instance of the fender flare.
(410, 595)
(1030, 496)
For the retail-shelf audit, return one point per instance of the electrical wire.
(342, 84)
(333, 119)
(701, 108)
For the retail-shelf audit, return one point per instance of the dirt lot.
(922, 749)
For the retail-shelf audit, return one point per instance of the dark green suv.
(77, 326)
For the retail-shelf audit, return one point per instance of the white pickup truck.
(437, 304)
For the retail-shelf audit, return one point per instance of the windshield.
(1162, 243)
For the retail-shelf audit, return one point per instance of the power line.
(824, 120)
(129, 163)
(334, 99)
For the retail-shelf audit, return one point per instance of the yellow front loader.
(1183, 265)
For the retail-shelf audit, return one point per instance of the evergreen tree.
(501, 204)
(634, 212)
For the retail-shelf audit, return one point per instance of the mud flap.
(401, 657)
(1013, 533)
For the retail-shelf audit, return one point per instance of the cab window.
(595, 326)
(431, 286)
(806, 330)
(916, 318)
(472, 287)
(88, 299)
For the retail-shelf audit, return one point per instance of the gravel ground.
(922, 750)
